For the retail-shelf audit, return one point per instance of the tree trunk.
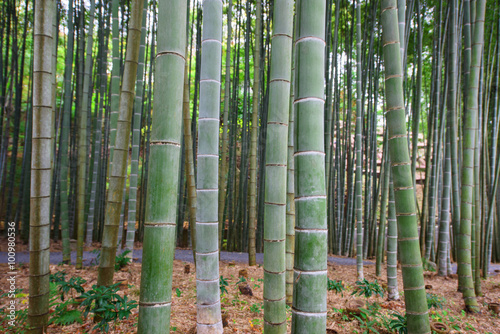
(276, 170)
(163, 180)
(117, 173)
(43, 123)
(311, 234)
(207, 241)
(404, 192)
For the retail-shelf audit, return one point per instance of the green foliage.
(255, 308)
(74, 283)
(58, 282)
(63, 316)
(342, 313)
(367, 289)
(435, 301)
(336, 286)
(178, 292)
(398, 323)
(448, 319)
(57, 277)
(222, 285)
(20, 326)
(107, 305)
(367, 322)
(241, 280)
(122, 260)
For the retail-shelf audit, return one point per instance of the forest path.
(186, 255)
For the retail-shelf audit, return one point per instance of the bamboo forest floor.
(245, 313)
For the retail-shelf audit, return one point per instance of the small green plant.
(256, 322)
(255, 308)
(241, 280)
(398, 323)
(367, 289)
(107, 305)
(342, 313)
(366, 323)
(57, 277)
(446, 318)
(63, 316)
(336, 286)
(435, 301)
(74, 283)
(122, 260)
(178, 292)
(222, 285)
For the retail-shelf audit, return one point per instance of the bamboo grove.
(296, 129)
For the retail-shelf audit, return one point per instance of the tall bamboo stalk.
(290, 191)
(117, 173)
(136, 134)
(43, 122)
(276, 169)
(82, 141)
(358, 149)
(223, 175)
(66, 118)
(392, 247)
(470, 128)
(163, 180)
(252, 219)
(310, 268)
(207, 191)
(404, 192)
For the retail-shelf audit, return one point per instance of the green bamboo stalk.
(494, 167)
(309, 308)
(189, 163)
(489, 226)
(252, 219)
(43, 122)
(392, 246)
(435, 106)
(404, 192)
(418, 91)
(163, 180)
(115, 79)
(66, 119)
(223, 175)
(401, 26)
(290, 192)
(207, 191)
(358, 149)
(470, 127)
(444, 228)
(452, 119)
(136, 134)
(117, 172)
(276, 169)
(383, 209)
(477, 222)
(82, 141)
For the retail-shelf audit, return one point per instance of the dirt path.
(186, 255)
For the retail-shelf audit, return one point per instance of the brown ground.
(238, 306)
